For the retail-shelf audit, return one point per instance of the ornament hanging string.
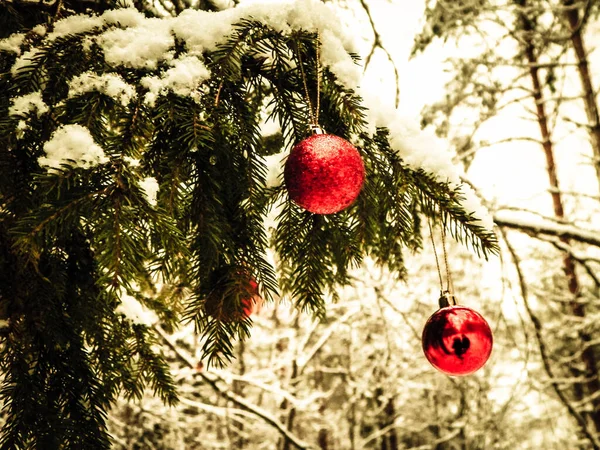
(318, 67)
(447, 294)
(437, 261)
(313, 113)
(449, 284)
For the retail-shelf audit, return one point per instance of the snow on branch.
(12, 43)
(25, 104)
(72, 144)
(129, 40)
(109, 84)
(531, 224)
(187, 73)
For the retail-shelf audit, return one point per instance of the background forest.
(515, 95)
(510, 86)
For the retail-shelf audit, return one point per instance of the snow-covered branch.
(534, 225)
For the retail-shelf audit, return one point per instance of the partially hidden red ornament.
(251, 304)
(220, 303)
(457, 340)
(324, 173)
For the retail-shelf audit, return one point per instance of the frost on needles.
(133, 167)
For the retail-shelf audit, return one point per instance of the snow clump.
(12, 43)
(28, 103)
(141, 46)
(182, 79)
(109, 84)
(74, 145)
(150, 187)
(79, 23)
(131, 308)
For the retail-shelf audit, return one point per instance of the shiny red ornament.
(457, 340)
(324, 174)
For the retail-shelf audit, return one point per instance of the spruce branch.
(461, 224)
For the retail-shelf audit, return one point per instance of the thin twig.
(584, 262)
(378, 43)
(219, 93)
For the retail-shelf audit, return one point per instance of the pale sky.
(514, 173)
(509, 174)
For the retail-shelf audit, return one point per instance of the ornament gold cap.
(315, 129)
(446, 299)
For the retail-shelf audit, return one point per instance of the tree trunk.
(391, 436)
(576, 308)
(238, 389)
(587, 87)
(291, 415)
(323, 435)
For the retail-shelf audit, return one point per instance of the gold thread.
(310, 109)
(313, 114)
(318, 63)
(449, 286)
(437, 262)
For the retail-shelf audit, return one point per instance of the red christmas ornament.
(457, 340)
(250, 305)
(324, 173)
(220, 302)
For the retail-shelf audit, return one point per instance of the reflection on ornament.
(457, 340)
(324, 174)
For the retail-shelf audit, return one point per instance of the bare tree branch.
(537, 325)
(240, 401)
(581, 260)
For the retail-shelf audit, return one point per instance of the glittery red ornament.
(457, 340)
(324, 174)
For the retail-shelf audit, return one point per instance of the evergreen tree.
(133, 165)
